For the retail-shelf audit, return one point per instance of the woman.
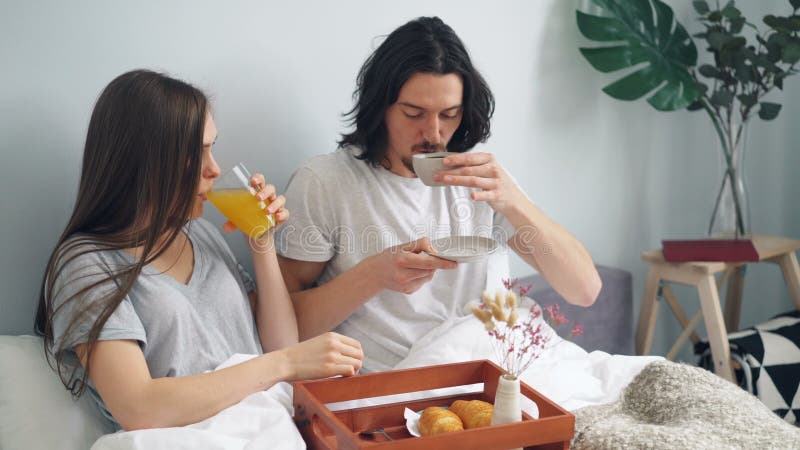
(141, 297)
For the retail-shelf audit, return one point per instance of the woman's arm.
(120, 374)
(274, 313)
(273, 310)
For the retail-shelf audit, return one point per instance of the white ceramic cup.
(426, 164)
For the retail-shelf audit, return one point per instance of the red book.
(724, 250)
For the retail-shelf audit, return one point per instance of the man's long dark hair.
(423, 45)
(141, 169)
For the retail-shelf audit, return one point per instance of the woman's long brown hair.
(140, 173)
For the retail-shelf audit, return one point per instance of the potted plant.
(746, 65)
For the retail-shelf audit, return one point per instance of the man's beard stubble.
(409, 165)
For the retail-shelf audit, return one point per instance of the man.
(356, 252)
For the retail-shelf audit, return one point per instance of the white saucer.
(464, 248)
(412, 422)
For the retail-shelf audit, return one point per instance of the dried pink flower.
(555, 318)
(518, 341)
(510, 284)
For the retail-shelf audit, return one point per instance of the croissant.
(473, 413)
(437, 420)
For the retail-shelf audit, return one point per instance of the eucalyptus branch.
(720, 133)
(729, 173)
(741, 75)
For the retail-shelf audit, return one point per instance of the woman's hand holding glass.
(274, 204)
(249, 204)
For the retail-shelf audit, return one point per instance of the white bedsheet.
(565, 373)
(262, 420)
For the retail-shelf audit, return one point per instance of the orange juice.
(242, 208)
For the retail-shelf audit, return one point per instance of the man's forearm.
(322, 308)
(555, 253)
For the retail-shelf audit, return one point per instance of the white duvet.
(564, 373)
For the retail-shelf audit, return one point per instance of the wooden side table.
(703, 275)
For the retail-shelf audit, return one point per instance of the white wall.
(619, 175)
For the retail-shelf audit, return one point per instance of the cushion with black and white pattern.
(769, 358)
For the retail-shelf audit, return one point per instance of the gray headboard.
(608, 324)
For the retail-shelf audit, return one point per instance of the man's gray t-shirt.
(182, 329)
(345, 210)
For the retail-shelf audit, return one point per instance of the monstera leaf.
(642, 34)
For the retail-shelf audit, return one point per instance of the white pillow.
(36, 410)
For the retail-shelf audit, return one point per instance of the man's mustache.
(427, 147)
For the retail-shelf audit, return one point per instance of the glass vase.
(730, 217)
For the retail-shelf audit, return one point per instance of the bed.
(36, 412)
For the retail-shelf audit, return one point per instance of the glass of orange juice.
(235, 198)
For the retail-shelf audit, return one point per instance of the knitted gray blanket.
(676, 406)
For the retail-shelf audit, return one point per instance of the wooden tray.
(323, 429)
